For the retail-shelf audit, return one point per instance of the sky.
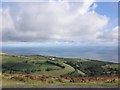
(56, 21)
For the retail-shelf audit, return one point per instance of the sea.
(104, 53)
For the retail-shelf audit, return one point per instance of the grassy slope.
(66, 70)
(76, 73)
(38, 65)
(22, 63)
(19, 63)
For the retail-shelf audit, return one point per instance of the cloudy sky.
(58, 21)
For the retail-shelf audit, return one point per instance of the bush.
(55, 63)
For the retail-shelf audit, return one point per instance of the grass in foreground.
(20, 80)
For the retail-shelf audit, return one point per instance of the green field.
(38, 70)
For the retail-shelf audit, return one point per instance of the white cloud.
(54, 21)
(6, 22)
(110, 36)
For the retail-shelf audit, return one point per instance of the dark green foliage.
(56, 63)
(93, 67)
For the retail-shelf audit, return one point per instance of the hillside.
(50, 69)
(47, 65)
